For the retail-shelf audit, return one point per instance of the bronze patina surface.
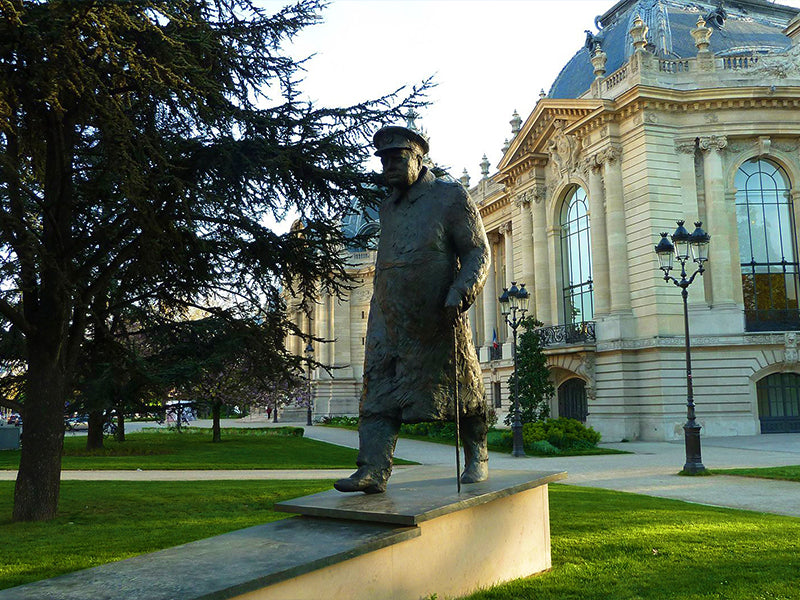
(432, 261)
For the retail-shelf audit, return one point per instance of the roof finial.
(516, 123)
(465, 179)
(701, 35)
(638, 33)
(484, 167)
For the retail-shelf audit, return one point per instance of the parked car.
(77, 423)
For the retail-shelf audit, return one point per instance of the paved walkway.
(650, 468)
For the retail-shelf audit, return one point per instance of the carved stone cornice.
(750, 339)
(713, 142)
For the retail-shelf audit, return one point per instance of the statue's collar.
(421, 185)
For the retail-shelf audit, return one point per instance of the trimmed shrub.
(441, 430)
(340, 420)
(563, 433)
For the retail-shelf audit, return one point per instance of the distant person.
(433, 258)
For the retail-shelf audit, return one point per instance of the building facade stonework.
(698, 119)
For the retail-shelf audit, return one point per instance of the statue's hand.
(452, 305)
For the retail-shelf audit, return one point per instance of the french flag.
(495, 345)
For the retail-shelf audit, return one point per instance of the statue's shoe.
(361, 482)
(477, 470)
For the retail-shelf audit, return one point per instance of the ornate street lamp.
(309, 358)
(515, 301)
(682, 246)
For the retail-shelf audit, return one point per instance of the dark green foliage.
(562, 434)
(438, 430)
(145, 147)
(535, 388)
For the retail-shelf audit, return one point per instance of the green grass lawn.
(606, 545)
(617, 546)
(192, 449)
(105, 521)
(790, 473)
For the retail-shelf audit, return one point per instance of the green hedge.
(555, 435)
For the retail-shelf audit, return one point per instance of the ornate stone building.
(673, 110)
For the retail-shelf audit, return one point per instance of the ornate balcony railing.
(571, 333)
(495, 353)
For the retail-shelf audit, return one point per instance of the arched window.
(767, 250)
(779, 403)
(576, 258)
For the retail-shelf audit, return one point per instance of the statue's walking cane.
(455, 402)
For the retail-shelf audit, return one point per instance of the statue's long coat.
(432, 238)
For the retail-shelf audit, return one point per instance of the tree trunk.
(39, 476)
(216, 408)
(94, 437)
(119, 434)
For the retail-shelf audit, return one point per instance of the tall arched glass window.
(767, 246)
(576, 258)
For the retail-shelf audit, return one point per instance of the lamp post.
(309, 358)
(513, 301)
(683, 244)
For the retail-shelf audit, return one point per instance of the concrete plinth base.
(417, 539)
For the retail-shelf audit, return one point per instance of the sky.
(488, 58)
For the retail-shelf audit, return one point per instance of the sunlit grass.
(193, 449)
(100, 522)
(605, 545)
(613, 545)
(790, 473)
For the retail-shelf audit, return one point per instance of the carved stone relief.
(587, 370)
(790, 349)
(564, 150)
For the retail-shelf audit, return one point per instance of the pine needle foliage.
(145, 147)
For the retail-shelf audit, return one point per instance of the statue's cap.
(395, 137)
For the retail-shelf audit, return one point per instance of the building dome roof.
(741, 27)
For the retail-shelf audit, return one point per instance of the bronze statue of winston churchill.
(433, 258)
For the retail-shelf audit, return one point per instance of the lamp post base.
(694, 461)
(519, 445)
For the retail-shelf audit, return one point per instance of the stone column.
(490, 297)
(597, 225)
(541, 256)
(506, 231)
(691, 208)
(342, 358)
(721, 222)
(508, 241)
(526, 244)
(620, 291)
(330, 334)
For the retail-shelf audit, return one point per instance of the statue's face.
(401, 167)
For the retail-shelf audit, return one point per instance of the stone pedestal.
(419, 538)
